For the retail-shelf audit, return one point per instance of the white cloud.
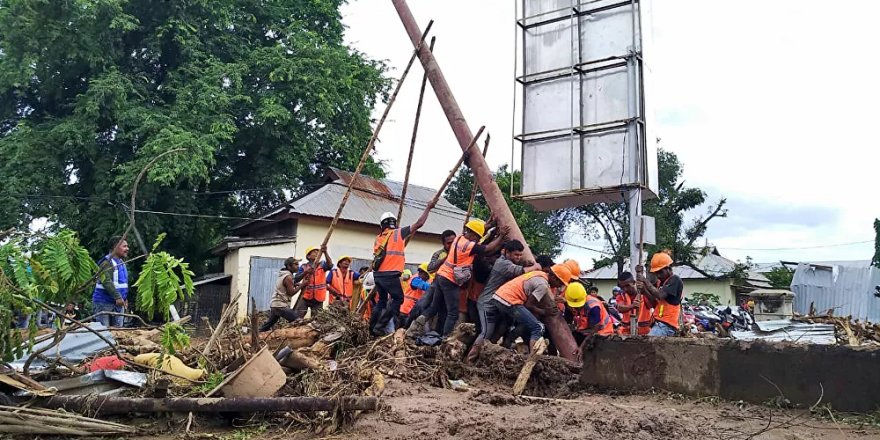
(769, 102)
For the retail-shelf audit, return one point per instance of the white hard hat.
(386, 216)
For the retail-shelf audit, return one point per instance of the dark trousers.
(522, 316)
(276, 313)
(387, 286)
(422, 306)
(303, 305)
(445, 301)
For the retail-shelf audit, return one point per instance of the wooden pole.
(470, 209)
(634, 314)
(431, 204)
(412, 142)
(372, 142)
(523, 379)
(122, 405)
(221, 324)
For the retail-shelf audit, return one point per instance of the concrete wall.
(721, 288)
(738, 370)
(238, 264)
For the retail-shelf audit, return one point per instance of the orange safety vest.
(344, 284)
(410, 298)
(645, 319)
(604, 318)
(316, 289)
(395, 246)
(514, 291)
(667, 313)
(459, 256)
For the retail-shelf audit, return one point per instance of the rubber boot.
(379, 328)
(416, 328)
(537, 344)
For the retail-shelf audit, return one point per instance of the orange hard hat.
(574, 268)
(659, 261)
(561, 271)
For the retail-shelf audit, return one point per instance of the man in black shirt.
(666, 294)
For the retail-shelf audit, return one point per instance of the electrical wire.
(802, 247)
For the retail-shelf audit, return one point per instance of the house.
(710, 274)
(847, 288)
(256, 249)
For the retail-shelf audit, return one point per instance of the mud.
(492, 413)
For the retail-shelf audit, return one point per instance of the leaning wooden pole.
(372, 142)
(470, 209)
(360, 308)
(412, 142)
(556, 326)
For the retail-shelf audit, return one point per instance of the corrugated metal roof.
(789, 331)
(369, 199)
(367, 207)
(74, 348)
(847, 290)
(710, 263)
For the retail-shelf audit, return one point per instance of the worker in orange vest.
(416, 289)
(315, 291)
(456, 271)
(585, 314)
(511, 298)
(389, 257)
(666, 294)
(630, 301)
(340, 280)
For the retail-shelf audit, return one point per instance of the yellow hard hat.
(344, 257)
(575, 295)
(309, 251)
(562, 272)
(478, 226)
(424, 268)
(659, 261)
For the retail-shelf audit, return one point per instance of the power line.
(181, 214)
(801, 248)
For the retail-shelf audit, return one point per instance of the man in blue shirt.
(111, 289)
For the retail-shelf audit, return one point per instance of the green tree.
(544, 231)
(611, 220)
(780, 277)
(262, 95)
(876, 259)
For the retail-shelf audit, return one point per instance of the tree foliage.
(54, 268)
(262, 95)
(673, 232)
(159, 285)
(876, 259)
(780, 277)
(544, 231)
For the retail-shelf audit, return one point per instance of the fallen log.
(103, 405)
(293, 337)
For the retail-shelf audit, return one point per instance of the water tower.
(586, 130)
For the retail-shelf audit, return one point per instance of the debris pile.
(846, 330)
(316, 374)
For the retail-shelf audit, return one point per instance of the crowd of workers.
(480, 276)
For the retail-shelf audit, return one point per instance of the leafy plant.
(159, 284)
(173, 338)
(780, 277)
(709, 299)
(52, 268)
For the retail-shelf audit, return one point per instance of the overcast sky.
(770, 104)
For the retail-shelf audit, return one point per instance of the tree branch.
(698, 230)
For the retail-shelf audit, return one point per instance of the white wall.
(351, 239)
(237, 263)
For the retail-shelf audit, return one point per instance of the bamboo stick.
(470, 209)
(412, 142)
(431, 204)
(372, 142)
